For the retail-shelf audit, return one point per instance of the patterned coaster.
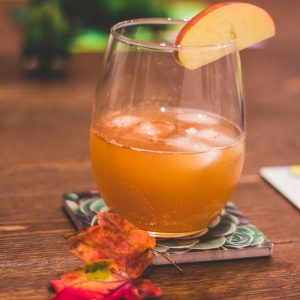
(230, 236)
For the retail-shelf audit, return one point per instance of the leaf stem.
(165, 256)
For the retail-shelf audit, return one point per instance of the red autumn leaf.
(99, 280)
(77, 294)
(114, 238)
(137, 289)
(127, 291)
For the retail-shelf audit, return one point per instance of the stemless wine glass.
(167, 142)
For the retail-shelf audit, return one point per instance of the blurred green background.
(53, 29)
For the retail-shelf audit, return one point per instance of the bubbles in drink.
(172, 130)
(150, 161)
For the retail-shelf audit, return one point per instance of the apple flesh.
(242, 23)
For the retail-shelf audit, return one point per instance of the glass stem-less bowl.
(166, 141)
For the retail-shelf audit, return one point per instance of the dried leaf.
(115, 238)
(100, 280)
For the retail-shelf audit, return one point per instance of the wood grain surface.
(44, 153)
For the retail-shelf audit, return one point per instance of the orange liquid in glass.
(169, 172)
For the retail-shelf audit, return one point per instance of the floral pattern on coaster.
(229, 236)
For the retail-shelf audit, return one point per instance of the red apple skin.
(191, 23)
(197, 17)
(203, 13)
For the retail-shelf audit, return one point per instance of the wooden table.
(44, 153)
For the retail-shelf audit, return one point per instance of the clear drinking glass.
(167, 142)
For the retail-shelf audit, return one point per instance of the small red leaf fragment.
(145, 289)
(77, 294)
(139, 289)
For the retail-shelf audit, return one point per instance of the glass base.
(186, 234)
(189, 234)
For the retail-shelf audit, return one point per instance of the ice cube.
(191, 131)
(217, 137)
(185, 143)
(196, 117)
(238, 149)
(155, 128)
(204, 155)
(207, 158)
(125, 121)
(147, 128)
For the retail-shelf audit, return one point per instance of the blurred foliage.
(46, 41)
(104, 13)
(54, 28)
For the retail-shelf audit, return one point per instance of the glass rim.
(161, 46)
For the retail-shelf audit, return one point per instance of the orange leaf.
(115, 238)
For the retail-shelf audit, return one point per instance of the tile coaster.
(230, 236)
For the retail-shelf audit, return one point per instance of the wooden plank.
(44, 153)
(214, 280)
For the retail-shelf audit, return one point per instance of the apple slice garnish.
(245, 24)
